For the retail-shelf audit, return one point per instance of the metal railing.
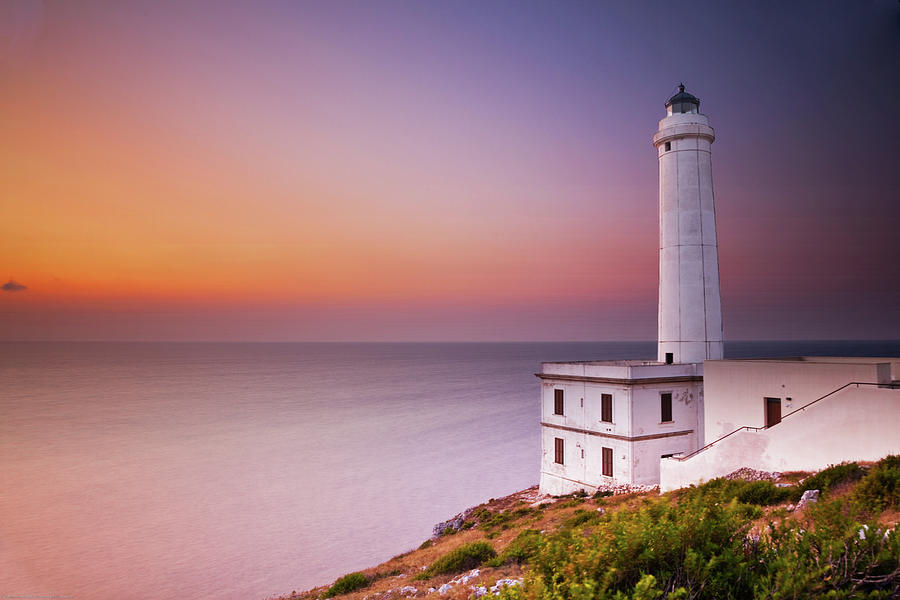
(892, 385)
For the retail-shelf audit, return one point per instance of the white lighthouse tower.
(690, 305)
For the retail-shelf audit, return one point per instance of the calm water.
(247, 470)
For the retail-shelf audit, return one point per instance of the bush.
(761, 493)
(697, 543)
(489, 520)
(841, 557)
(467, 556)
(346, 584)
(581, 517)
(880, 489)
(520, 550)
(831, 477)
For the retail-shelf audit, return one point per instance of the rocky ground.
(498, 523)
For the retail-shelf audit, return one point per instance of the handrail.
(891, 385)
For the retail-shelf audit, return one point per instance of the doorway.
(773, 411)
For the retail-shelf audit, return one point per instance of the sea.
(247, 471)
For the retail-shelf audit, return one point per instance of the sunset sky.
(431, 170)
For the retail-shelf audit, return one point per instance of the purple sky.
(438, 171)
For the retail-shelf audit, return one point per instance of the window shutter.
(558, 402)
(606, 408)
(608, 462)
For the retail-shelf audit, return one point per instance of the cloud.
(13, 286)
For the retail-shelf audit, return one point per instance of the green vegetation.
(346, 584)
(726, 539)
(758, 493)
(488, 520)
(467, 556)
(880, 489)
(519, 551)
(831, 477)
(582, 517)
(716, 541)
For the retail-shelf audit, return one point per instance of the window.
(668, 146)
(558, 402)
(607, 462)
(606, 408)
(665, 407)
(670, 358)
(559, 451)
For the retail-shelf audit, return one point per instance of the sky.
(424, 171)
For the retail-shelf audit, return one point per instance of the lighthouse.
(690, 305)
(691, 415)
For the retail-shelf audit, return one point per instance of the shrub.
(582, 517)
(426, 544)
(346, 584)
(831, 477)
(696, 543)
(880, 488)
(467, 556)
(841, 557)
(762, 493)
(520, 550)
(570, 503)
(488, 520)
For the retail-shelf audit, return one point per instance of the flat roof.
(620, 370)
(860, 360)
(606, 363)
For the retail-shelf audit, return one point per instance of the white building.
(793, 414)
(691, 415)
(612, 421)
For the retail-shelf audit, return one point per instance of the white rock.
(808, 497)
(498, 586)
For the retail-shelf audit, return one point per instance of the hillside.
(746, 536)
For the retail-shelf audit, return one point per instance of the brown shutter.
(559, 450)
(558, 402)
(665, 407)
(607, 462)
(606, 408)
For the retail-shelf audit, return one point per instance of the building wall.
(636, 413)
(735, 390)
(681, 434)
(858, 423)
(582, 408)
